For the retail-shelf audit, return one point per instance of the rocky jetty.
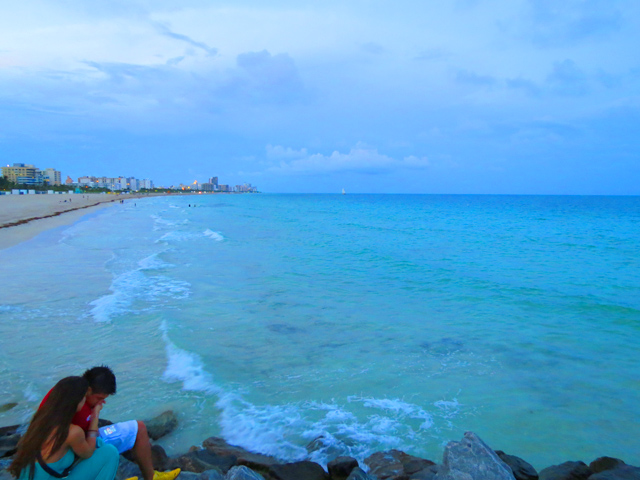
(468, 459)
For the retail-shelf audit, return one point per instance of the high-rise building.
(52, 176)
(214, 181)
(21, 173)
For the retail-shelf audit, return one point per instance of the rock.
(340, 468)
(566, 471)
(358, 474)
(623, 472)
(9, 438)
(605, 463)
(521, 469)
(189, 476)
(428, 473)
(200, 461)
(4, 475)
(8, 406)
(395, 465)
(213, 474)
(472, 459)
(304, 470)
(159, 458)
(103, 422)
(254, 461)
(242, 473)
(161, 425)
(127, 469)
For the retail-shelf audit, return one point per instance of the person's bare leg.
(142, 451)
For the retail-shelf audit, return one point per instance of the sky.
(428, 96)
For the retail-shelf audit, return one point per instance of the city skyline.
(468, 96)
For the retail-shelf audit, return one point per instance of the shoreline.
(23, 217)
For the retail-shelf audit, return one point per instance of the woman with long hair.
(53, 446)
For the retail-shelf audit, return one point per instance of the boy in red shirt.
(131, 435)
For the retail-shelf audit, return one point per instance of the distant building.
(214, 181)
(224, 188)
(52, 176)
(68, 181)
(27, 174)
(208, 187)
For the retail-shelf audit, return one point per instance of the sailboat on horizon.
(343, 192)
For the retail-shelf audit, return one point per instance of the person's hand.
(95, 411)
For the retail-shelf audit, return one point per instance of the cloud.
(567, 78)
(372, 47)
(360, 159)
(569, 21)
(264, 77)
(471, 78)
(164, 30)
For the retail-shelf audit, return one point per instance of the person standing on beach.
(124, 436)
(53, 447)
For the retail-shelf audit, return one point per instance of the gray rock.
(255, 461)
(9, 438)
(395, 464)
(605, 463)
(521, 469)
(159, 458)
(127, 469)
(359, 474)
(199, 461)
(298, 471)
(428, 473)
(340, 468)
(8, 406)
(162, 425)
(189, 476)
(623, 472)
(472, 459)
(213, 474)
(566, 471)
(242, 473)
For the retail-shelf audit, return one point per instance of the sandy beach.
(24, 216)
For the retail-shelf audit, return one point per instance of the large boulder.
(304, 470)
(127, 469)
(601, 464)
(161, 425)
(472, 459)
(340, 468)
(521, 469)
(198, 461)
(9, 438)
(242, 473)
(623, 472)
(428, 473)
(254, 461)
(566, 471)
(359, 474)
(8, 406)
(158, 458)
(395, 465)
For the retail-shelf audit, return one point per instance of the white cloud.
(360, 159)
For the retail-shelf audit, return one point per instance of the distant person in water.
(124, 436)
(53, 447)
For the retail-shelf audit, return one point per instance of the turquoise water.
(354, 323)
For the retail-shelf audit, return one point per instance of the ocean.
(324, 325)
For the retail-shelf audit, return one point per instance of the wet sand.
(24, 216)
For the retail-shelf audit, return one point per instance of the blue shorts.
(121, 435)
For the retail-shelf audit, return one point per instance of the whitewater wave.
(308, 430)
(135, 285)
(217, 236)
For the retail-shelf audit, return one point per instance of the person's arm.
(81, 445)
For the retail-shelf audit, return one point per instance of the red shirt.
(81, 418)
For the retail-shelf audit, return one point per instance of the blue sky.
(460, 96)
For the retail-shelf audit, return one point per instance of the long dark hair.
(53, 419)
